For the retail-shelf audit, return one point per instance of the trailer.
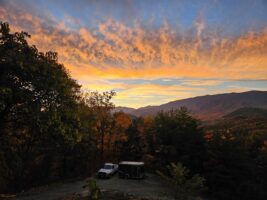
(131, 169)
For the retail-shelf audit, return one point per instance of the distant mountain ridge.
(124, 109)
(208, 107)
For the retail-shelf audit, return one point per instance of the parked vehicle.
(130, 169)
(107, 170)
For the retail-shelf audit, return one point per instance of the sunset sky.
(149, 51)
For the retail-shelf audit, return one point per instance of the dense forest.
(50, 130)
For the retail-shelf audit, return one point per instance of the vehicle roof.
(108, 164)
(131, 163)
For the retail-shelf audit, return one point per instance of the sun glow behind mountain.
(151, 52)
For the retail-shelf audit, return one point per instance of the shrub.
(185, 187)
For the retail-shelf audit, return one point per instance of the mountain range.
(208, 107)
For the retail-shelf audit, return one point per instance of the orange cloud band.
(115, 50)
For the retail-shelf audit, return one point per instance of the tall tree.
(101, 106)
(180, 139)
(38, 104)
(119, 137)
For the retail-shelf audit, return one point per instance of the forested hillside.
(208, 107)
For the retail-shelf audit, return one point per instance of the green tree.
(236, 165)
(38, 110)
(135, 145)
(180, 139)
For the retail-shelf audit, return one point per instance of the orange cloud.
(137, 95)
(115, 50)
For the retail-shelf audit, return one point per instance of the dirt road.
(151, 187)
(54, 191)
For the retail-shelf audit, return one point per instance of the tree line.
(50, 130)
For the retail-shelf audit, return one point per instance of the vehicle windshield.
(107, 167)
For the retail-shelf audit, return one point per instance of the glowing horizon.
(151, 52)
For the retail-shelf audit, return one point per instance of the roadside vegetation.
(185, 187)
(50, 130)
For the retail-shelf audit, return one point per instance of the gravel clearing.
(152, 188)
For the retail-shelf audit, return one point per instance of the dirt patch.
(152, 188)
(54, 191)
(111, 195)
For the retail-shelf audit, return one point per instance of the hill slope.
(247, 120)
(210, 107)
(124, 109)
(248, 112)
